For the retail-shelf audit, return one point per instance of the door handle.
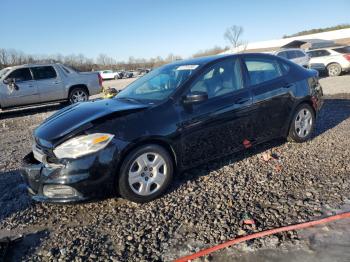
(288, 86)
(241, 100)
(56, 82)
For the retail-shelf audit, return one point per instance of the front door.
(50, 85)
(26, 93)
(217, 126)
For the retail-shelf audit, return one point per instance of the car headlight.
(82, 145)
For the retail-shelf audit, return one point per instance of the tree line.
(319, 30)
(12, 57)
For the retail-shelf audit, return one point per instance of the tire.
(139, 179)
(78, 94)
(302, 124)
(334, 69)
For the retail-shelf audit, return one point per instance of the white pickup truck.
(36, 84)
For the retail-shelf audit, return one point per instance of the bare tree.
(233, 35)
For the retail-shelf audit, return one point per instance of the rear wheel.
(334, 69)
(145, 174)
(303, 124)
(78, 94)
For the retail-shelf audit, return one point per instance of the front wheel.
(78, 94)
(145, 174)
(303, 124)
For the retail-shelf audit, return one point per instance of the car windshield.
(4, 71)
(159, 84)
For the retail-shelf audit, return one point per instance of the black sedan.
(175, 117)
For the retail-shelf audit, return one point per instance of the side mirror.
(8, 81)
(195, 97)
(11, 82)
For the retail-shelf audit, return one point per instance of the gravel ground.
(205, 205)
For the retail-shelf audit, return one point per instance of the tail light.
(347, 57)
(99, 80)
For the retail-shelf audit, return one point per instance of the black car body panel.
(193, 134)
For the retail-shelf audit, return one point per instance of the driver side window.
(222, 78)
(20, 75)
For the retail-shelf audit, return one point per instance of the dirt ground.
(204, 206)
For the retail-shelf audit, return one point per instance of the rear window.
(343, 50)
(262, 70)
(43, 72)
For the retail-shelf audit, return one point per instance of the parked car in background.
(176, 117)
(128, 74)
(35, 84)
(109, 74)
(143, 71)
(333, 60)
(295, 55)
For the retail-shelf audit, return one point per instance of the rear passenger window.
(43, 72)
(318, 53)
(261, 70)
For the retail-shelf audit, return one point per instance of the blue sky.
(148, 28)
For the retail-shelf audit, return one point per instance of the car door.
(48, 82)
(219, 125)
(26, 92)
(272, 99)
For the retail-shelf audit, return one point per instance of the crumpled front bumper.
(87, 177)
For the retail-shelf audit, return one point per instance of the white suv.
(295, 55)
(334, 60)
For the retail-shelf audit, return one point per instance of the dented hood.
(78, 117)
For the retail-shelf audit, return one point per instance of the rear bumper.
(78, 180)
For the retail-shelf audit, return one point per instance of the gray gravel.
(205, 206)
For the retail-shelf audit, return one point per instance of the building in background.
(340, 37)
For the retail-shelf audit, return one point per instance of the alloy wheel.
(78, 96)
(303, 123)
(147, 174)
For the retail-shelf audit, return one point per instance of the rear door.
(27, 92)
(50, 85)
(219, 125)
(271, 96)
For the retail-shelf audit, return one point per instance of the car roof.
(33, 65)
(208, 59)
(328, 47)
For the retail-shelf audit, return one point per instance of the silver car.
(35, 84)
(295, 55)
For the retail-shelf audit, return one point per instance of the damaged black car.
(176, 117)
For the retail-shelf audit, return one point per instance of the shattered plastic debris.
(266, 156)
(247, 219)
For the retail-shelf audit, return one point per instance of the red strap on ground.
(263, 234)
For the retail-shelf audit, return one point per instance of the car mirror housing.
(8, 81)
(195, 97)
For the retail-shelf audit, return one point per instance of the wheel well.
(158, 142)
(333, 63)
(80, 86)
